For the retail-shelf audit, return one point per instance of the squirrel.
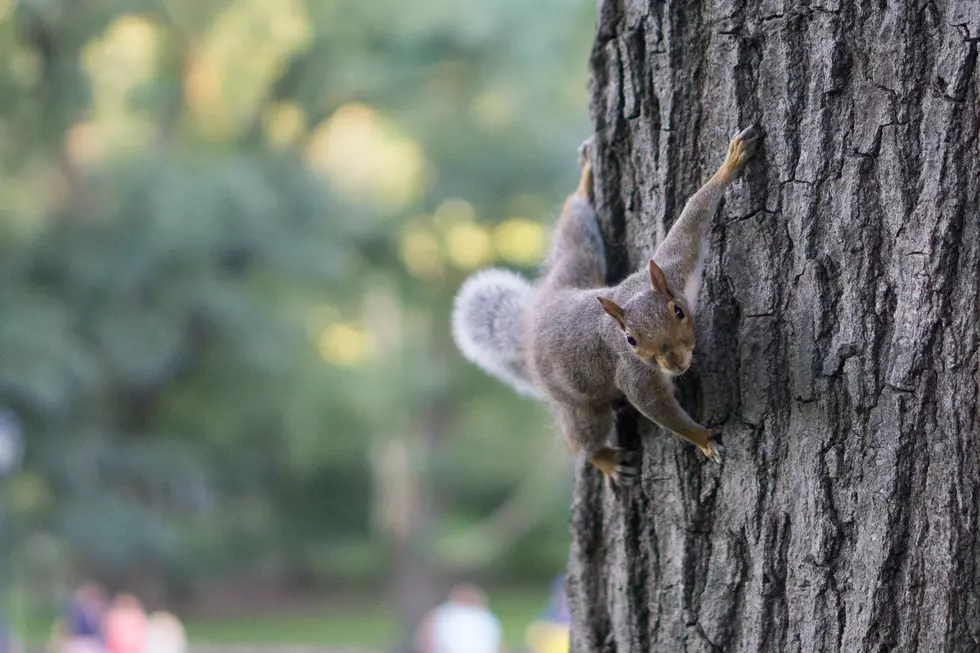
(582, 346)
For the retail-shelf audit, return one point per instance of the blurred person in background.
(165, 634)
(125, 626)
(549, 632)
(463, 624)
(83, 621)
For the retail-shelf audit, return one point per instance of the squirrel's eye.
(679, 312)
(630, 339)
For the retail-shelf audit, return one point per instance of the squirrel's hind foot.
(713, 450)
(585, 151)
(620, 466)
(585, 163)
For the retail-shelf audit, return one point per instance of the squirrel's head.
(656, 324)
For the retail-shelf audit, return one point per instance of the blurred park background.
(230, 233)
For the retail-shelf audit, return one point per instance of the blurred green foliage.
(230, 233)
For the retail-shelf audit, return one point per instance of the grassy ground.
(365, 625)
(353, 625)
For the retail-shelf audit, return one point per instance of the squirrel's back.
(489, 317)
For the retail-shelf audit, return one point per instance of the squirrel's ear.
(658, 279)
(615, 310)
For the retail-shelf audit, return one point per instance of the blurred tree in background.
(230, 233)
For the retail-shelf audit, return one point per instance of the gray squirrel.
(582, 346)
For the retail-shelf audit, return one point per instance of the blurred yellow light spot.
(345, 345)
(5, 7)
(125, 56)
(238, 59)
(366, 158)
(492, 109)
(469, 245)
(519, 241)
(419, 251)
(202, 88)
(83, 144)
(283, 123)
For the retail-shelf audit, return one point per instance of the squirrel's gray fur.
(555, 341)
(488, 317)
(491, 307)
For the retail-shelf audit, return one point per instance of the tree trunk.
(838, 339)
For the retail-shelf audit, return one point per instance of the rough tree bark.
(837, 331)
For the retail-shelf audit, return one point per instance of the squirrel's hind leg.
(587, 430)
(585, 184)
(577, 258)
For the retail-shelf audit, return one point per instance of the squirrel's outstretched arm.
(652, 394)
(682, 253)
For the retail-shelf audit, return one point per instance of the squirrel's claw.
(628, 469)
(714, 450)
(750, 134)
(717, 454)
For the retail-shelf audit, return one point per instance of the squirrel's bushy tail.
(487, 320)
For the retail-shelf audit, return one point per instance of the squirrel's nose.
(686, 359)
(678, 361)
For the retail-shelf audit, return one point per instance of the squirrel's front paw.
(742, 148)
(713, 450)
